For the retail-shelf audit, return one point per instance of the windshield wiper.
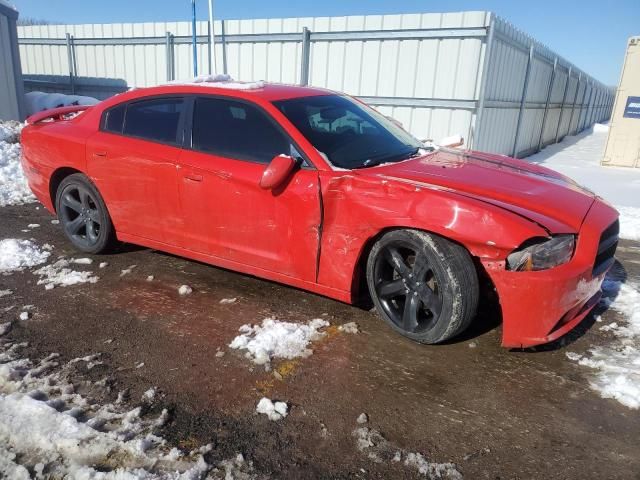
(391, 158)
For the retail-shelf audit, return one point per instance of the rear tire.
(83, 215)
(424, 286)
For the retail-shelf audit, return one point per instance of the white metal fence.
(438, 74)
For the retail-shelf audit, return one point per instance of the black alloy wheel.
(83, 215)
(424, 286)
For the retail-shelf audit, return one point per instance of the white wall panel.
(402, 73)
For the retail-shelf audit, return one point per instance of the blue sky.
(590, 33)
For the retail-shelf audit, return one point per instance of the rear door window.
(114, 119)
(157, 120)
(237, 130)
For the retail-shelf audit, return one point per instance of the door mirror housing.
(277, 172)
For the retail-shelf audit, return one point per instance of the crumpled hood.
(546, 197)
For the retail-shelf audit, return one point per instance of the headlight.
(540, 254)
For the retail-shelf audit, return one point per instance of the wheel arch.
(360, 291)
(56, 179)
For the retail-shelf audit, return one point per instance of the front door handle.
(193, 177)
(99, 155)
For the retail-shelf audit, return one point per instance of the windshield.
(350, 134)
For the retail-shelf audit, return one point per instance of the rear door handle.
(193, 177)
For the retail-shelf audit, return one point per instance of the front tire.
(424, 286)
(83, 215)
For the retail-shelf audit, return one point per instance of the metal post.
(592, 112)
(573, 105)
(483, 86)
(168, 56)
(212, 41)
(71, 62)
(194, 38)
(586, 107)
(224, 47)
(523, 100)
(564, 99)
(209, 48)
(546, 105)
(306, 53)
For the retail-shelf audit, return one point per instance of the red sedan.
(314, 189)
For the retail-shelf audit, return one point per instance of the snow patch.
(228, 301)
(127, 270)
(82, 261)
(48, 428)
(58, 274)
(10, 131)
(351, 327)
(579, 156)
(276, 339)
(362, 418)
(629, 222)
(274, 410)
(16, 254)
(13, 184)
(617, 365)
(380, 450)
(220, 81)
(185, 290)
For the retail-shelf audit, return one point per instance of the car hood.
(542, 195)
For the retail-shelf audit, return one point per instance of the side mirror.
(277, 172)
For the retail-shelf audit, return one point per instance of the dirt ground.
(495, 413)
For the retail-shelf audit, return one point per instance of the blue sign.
(632, 109)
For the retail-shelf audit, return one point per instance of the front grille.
(606, 248)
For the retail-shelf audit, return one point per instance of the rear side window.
(236, 130)
(114, 119)
(157, 120)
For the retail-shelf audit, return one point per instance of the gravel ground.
(494, 413)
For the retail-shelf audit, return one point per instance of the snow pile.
(629, 222)
(578, 157)
(185, 290)
(276, 339)
(47, 427)
(351, 327)
(10, 131)
(617, 365)
(39, 101)
(380, 450)
(59, 274)
(19, 254)
(274, 410)
(220, 81)
(13, 184)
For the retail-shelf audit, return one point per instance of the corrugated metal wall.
(426, 70)
(11, 88)
(534, 97)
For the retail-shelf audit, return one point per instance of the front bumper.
(539, 307)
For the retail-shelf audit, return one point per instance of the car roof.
(262, 90)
